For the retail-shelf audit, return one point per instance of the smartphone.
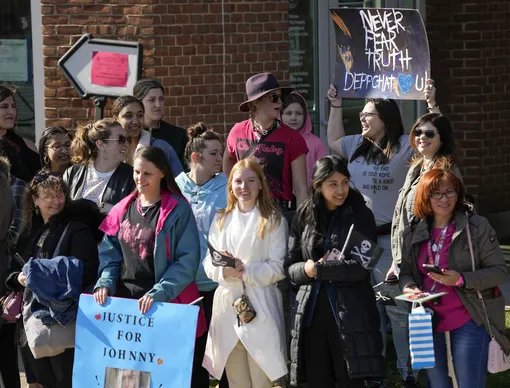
(432, 268)
(334, 255)
(391, 280)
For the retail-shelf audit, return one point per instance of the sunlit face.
(335, 189)
(154, 103)
(443, 206)
(211, 158)
(246, 186)
(7, 113)
(147, 177)
(426, 145)
(57, 150)
(270, 105)
(293, 116)
(50, 202)
(131, 119)
(372, 125)
(116, 145)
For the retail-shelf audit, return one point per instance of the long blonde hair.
(268, 211)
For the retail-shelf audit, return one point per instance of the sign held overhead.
(102, 67)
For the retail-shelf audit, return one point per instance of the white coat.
(264, 336)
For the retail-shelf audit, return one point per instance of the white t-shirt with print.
(95, 184)
(379, 184)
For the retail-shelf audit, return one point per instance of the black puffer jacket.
(6, 212)
(358, 315)
(80, 240)
(121, 184)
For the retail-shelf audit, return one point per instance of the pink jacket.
(316, 147)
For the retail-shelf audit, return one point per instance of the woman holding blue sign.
(453, 250)
(150, 250)
(247, 332)
(378, 161)
(335, 336)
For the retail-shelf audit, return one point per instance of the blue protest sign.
(380, 53)
(117, 346)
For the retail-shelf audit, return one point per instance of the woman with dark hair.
(335, 336)
(280, 150)
(129, 112)
(150, 251)
(464, 247)
(27, 149)
(152, 95)
(432, 138)
(205, 188)
(99, 173)
(54, 146)
(378, 161)
(52, 220)
(295, 115)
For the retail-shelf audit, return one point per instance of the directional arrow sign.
(101, 67)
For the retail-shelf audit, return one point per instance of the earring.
(46, 160)
(36, 210)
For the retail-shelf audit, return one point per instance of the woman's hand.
(145, 303)
(448, 278)
(22, 279)
(237, 272)
(100, 295)
(334, 98)
(412, 289)
(310, 269)
(393, 271)
(430, 93)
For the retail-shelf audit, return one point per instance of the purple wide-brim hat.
(259, 85)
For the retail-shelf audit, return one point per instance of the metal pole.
(99, 103)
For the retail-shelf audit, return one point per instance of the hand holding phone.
(335, 254)
(432, 268)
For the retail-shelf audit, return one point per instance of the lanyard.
(435, 249)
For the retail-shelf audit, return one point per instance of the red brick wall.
(470, 50)
(184, 45)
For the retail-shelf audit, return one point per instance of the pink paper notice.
(109, 69)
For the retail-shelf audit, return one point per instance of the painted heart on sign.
(159, 361)
(97, 316)
(405, 82)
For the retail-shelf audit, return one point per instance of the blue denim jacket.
(56, 286)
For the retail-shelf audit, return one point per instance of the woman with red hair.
(443, 237)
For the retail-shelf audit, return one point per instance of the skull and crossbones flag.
(363, 250)
(218, 258)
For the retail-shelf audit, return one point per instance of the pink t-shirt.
(275, 153)
(452, 313)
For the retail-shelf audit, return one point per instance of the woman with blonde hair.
(99, 173)
(250, 230)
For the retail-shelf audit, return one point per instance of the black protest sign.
(380, 53)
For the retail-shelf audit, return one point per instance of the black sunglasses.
(45, 175)
(275, 98)
(121, 139)
(429, 133)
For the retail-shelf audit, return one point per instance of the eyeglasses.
(58, 146)
(45, 175)
(447, 194)
(275, 98)
(429, 133)
(121, 139)
(364, 115)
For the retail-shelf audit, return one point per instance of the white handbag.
(498, 361)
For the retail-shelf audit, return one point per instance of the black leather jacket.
(120, 185)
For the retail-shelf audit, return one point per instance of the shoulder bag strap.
(478, 293)
(56, 252)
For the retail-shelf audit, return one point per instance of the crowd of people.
(127, 206)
